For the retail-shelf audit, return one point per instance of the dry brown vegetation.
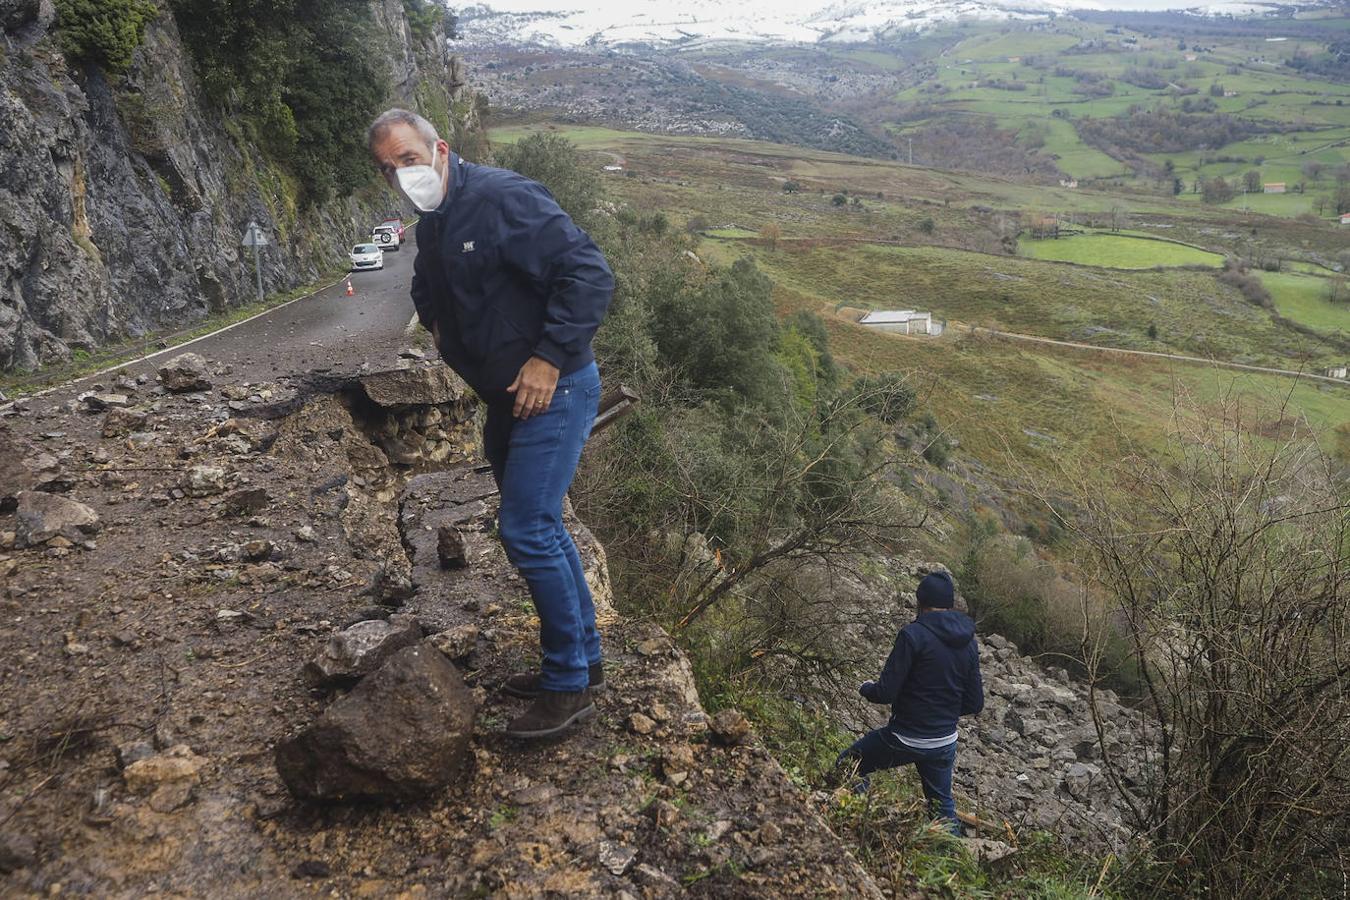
(1231, 571)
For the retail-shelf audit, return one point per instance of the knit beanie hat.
(936, 591)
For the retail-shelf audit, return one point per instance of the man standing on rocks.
(930, 680)
(513, 292)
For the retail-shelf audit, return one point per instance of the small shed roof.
(890, 316)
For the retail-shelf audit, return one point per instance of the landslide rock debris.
(205, 481)
(413, 386)
(401, 734)
(730, 727)
(120, 421)
(168, 778)
(25, 468)
(17, 851)
(99, 402)
(450, 548)
(40, 517)
(360, 649)
(456, 643)
(192, 620)
(184, 373)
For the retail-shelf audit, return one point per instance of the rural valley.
(1053, 303)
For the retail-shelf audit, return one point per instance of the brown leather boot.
(552, 712)
(525, 685)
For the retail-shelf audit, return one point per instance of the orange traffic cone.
(350, 292)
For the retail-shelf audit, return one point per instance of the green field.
(1190, 312)
(1303, 298)
(1030, 77)
(1117, 251)
(1045, 413)
(1073, 156)
(587, 137)
(882, 256)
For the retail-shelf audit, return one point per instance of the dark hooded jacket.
(507, 275)
(932, 676)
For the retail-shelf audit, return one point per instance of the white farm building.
(901, 321)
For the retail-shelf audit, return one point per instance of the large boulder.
(401, 734)
(24, 467)
(422, 385)
(41, 516)
(205, 481)
(121, 421)
(15, 478)
(355, 652)
(185, 372)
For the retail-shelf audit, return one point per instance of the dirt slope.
(238, 527)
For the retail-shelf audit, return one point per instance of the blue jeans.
(881, 749)
(534, 461)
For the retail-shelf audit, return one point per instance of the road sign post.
(254, 237)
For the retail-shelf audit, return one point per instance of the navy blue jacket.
(932, 676)
(507, 275)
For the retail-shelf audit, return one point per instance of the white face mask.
(422, 185)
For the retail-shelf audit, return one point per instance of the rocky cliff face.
(123, 199)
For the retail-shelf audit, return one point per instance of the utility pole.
(911, 151)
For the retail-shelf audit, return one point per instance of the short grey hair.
(391, 117)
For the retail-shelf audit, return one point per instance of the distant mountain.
(660, 23)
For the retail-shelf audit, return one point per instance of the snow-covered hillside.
(663, 23)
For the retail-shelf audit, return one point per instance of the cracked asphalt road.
(326, 332)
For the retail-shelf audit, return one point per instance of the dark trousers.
(534, 461)
(881, 749)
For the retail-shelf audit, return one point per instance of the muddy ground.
(238, 527)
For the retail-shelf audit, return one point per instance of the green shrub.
(721, 336)
(301, 76)
(887, 396)
(1014, 593)
(812, 327)
(937, 451)
(554, 162)
(103, 32)
(425, 17)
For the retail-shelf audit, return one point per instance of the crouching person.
(930, 680)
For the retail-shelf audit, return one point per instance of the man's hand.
(534, 387)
